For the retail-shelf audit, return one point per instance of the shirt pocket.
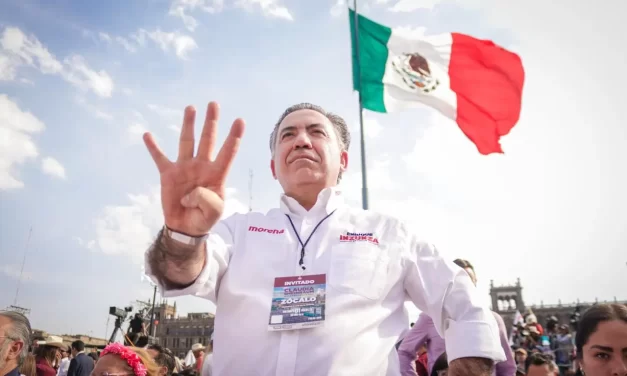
(359, 268)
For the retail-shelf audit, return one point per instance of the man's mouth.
(301, 157)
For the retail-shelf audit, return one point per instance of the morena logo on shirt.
(268, 230)
(359, 237)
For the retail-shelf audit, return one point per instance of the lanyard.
(303, 245)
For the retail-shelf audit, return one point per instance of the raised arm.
(192, 198)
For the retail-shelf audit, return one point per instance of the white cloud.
(52, 167)
(410, 32)
(184, 8)
(135, 131)
(104, 37)
(338, 8)
(83, 77)
(90, 245)
(129, 229)
(175, 128)
(126, 44)
(180, 43)
(372, 127)
(269, 8)
(93, 110)
(19, 50)
(16, 145)
(413, 5)
(164, 111)
(181, 9)
(14, 270)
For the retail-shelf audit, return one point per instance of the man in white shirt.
(316, 287)
(64, 365)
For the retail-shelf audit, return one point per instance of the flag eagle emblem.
(415, 72)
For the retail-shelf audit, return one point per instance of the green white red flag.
(474, 82)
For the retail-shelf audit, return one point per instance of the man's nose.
(302, 141)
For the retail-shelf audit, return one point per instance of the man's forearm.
(470, 367)
(175, 266)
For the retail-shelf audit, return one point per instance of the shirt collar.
(328, 200)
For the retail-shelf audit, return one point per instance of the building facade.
(180, 333)
(508, 299)
(91, 343)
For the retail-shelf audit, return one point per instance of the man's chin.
(306, 175)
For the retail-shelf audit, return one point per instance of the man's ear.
(15, 349)
(273, 169)
(343, 160)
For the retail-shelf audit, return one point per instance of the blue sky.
(80, 81)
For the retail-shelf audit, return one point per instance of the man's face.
(520, 358)
(543, 370)
(9, 348)
(307, 152)
(197, 354)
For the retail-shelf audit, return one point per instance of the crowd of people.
(21, 354)
(530, 348)
(598, 347)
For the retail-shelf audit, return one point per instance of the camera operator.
(136, 329)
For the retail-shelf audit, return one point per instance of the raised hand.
(192, 187)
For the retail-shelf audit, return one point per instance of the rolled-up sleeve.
(445, 292)
(219, 246)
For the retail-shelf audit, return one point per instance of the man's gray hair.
(341, 129)
(18, 331)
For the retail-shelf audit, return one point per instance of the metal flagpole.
(364, 179)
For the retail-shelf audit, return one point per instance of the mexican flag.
(474, 82)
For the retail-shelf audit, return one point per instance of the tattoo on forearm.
(164, 255)
(471, 367)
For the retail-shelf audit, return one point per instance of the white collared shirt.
(367, 286)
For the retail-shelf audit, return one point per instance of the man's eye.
(286, 134)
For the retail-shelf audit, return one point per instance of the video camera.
(120, 313)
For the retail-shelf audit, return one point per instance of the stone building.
(180, 333)
(91, 343)
(508, 299)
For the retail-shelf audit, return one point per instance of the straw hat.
(54, 341)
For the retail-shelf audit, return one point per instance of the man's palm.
(192, 187)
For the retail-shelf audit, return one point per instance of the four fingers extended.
(186, 141)
(227, 153)
(209, 132)
(157, 155)
(231, 145)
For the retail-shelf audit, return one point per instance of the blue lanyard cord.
(303, 245)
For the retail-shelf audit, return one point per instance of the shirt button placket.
(305, 232)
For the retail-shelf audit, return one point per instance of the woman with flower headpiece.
(119, 360)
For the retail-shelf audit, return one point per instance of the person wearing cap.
(520, 356)
(318, 287)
